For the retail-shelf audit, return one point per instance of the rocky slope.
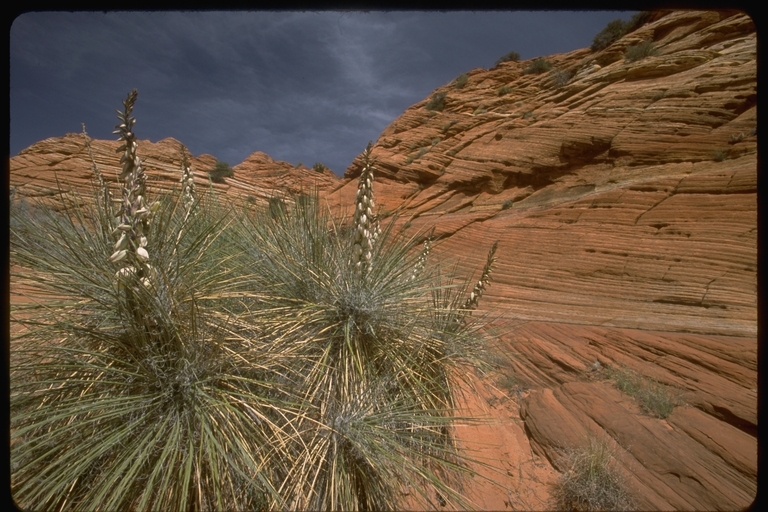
(62, 165)
(624, 198)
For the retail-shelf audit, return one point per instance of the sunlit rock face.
(64, 163)
(623, 194)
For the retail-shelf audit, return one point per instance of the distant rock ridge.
(40, 169)
(623, 194)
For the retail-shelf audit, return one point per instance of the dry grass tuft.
(591, 480)
(652, 396)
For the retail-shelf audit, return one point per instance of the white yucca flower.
(366, 224)
(187, 182)
(135, 213)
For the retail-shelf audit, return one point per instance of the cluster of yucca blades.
(107, 414)
(245, 362)
(375, 371)
(177, 407)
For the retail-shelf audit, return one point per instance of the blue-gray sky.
(301, 86)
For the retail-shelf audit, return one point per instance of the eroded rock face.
(690, 462)
(624, 199)
(63, 165)
(623, 196)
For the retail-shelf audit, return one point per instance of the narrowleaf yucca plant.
(376, 363)
(170, 356)
(131, 385)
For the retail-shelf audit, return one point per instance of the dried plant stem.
(105, 195)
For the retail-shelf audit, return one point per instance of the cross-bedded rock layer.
(624, 198)
(62, 165)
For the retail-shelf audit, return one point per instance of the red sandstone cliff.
(39, 170)
(624, 198)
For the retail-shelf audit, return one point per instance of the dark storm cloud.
(300, 86)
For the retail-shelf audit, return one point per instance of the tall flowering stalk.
(187, 183)
(482, 284)
(450, 311)
(187, 194)
(366, 224)
(422, 261)
(135, 214)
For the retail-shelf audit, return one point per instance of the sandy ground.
(510, 476)
(521, 479)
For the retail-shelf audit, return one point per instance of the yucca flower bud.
(118, 256)
(122, 243)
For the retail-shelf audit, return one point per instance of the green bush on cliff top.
(615, 29)
(509, 57)
(220, 171)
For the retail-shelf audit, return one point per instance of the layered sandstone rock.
(62, 165)
(624, 199)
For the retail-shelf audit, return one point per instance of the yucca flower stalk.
(135, 213)
(188, 192)
(367, 228)
(485, 279)
(422, 261)
(452, 306)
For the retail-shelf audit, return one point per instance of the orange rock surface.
(624, 199)
(62, 165)
(625, 204)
